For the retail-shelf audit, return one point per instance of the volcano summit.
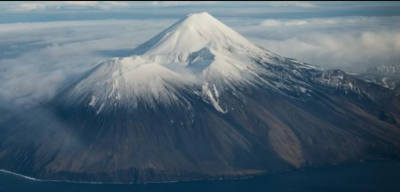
(200, 101)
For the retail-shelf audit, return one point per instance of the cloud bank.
(348, 43)
(36, 59)
(85, 5)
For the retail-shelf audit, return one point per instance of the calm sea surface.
(366, 176)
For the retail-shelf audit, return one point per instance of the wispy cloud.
(303, 4)
(59, 5)
(340, 50)
(24, 7)
(350, 43)
(79, 5)
(98, 4)
(178, 3)
(170, 3)
(321, 22)
(116, 3)
(82, 3)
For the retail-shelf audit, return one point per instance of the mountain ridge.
(198, 111)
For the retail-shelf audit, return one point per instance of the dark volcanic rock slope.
(199, 101)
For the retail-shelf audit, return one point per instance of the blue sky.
(45, 44)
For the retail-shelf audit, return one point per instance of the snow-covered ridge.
(126, 79)
(384, 69)
(338, 80)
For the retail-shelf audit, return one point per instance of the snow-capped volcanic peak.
(206, 47)
(198, 52)
(191, 34)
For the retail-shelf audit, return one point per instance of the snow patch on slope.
(213, 98)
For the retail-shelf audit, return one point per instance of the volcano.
(200, 101)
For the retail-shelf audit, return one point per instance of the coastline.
(192, 180)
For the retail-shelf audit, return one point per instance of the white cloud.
(271, 23)
(177, 3)
(341, 50)
(169, 3)
(98, 4)
(320, 21)
(38, 58)
(292, 4)
(24, 7)
(74, 5)
(82, 3)
(350, 43)
(278, 23)
(57, 5)
(116, 3)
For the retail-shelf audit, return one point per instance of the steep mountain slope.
(200, 101)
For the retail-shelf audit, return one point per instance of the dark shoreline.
(307, 167)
